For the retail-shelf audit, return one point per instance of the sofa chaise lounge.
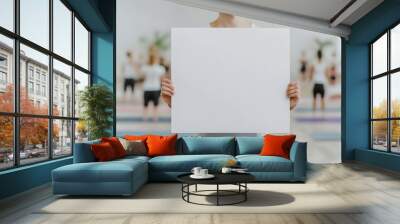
(125, 176)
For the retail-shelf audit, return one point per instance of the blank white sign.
(230, 80)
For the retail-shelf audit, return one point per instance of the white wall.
(138, 18)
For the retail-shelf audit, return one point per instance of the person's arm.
(293, 93)
(167, 90)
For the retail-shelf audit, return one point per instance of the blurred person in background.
(130, 71)
(152, 72)
(303, 66)
(334, 79)
(230, 21)
(319, 73)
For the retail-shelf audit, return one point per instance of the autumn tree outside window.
(39, 89)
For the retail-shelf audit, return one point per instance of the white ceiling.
(314, 15)
(318, 9)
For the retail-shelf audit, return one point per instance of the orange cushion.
(103, 152)
(161, 145)
(277, 145)
(136, 137)
(116, 145)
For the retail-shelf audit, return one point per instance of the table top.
(220, 178)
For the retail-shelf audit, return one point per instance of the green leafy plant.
(160, 40)
(96, 103)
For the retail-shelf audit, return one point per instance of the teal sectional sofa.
(125, 176)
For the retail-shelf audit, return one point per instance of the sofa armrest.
(83, 152)
(298, 155)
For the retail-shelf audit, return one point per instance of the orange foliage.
(33, 130)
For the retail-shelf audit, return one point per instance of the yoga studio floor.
(372, 195)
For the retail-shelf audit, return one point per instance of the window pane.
(379, 55)
(395, 94)
(395, 138)
(379, 97)
(62, 138)
(35, 21)
(7, 14)
(395, 47)
(81, 131)
(81, 45)
(6, 75)
(6, 142)
(62, 89)
(379, 135)
(62, 29)
(81, 81)
(34, 97)
(33, 139)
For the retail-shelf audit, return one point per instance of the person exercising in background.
(229, 20)
(152, 72)
(319, 73)
(130, 70)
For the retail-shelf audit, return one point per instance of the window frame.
(388, 74)
(16, 114)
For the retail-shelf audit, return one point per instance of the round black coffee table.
(238, 179)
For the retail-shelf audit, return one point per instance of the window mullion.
(16, 70)
(73, 81)
(371, 142)
(389, 101)
(50, 81)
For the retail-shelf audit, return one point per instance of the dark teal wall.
(103, 61)
(24, 178)
(102, 58)
(103, 52)
(356, 84)
(356, 99)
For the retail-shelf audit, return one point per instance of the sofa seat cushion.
(113, 171)
(185, 163)
(257, 163)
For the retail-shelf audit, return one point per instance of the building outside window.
(3, 77)
(3, 72)
(30, 87)
(38, 89)
(58, 130)
(44, 77)
(385, 91)
(44, 91)
(30, 72)
(3, 60)
(37, 75)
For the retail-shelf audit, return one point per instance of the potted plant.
(96, 104)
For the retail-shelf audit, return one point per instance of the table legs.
(242, 190)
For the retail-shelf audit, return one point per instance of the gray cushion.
(137, 148)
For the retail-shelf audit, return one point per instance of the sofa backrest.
(249, 145)
(192, 145)
(83, 152)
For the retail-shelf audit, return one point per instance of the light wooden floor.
(379, 189)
